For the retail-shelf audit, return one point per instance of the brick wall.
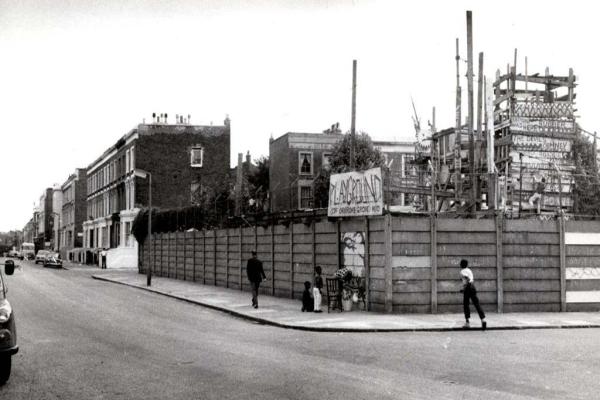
(166, 155)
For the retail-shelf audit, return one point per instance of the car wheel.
(5, 364)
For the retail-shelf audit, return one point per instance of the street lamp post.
(145, 174)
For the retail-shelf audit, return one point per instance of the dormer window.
(197, 155)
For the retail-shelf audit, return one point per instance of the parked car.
(53, 260)
(8, 331)
(40, 257)
(14, 253)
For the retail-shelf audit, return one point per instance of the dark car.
(53, 260)
(8, 330)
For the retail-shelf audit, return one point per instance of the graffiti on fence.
(353, 252)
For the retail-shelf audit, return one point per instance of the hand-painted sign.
(537, 143)
(356, 193)
(544, 110)
(546, 126)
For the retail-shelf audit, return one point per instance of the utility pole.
(353, 120)
(470, 106)
(478, 156)
(492, 196)
(457, 133)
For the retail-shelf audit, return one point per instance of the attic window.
(197, 156)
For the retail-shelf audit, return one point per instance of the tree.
(366, 156)
(259, 178)
(587, 181)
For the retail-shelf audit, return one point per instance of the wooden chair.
(334, 293)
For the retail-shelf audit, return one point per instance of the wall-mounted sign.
(544, 110)
(356, 193)
(547, 126)
(537, 143)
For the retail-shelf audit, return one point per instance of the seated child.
(307, 300)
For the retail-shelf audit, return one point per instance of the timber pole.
(470, 106)
(353, 120)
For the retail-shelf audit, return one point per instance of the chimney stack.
(248, 157)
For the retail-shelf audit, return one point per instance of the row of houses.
(95, 207)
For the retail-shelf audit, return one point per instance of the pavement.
(286, 313)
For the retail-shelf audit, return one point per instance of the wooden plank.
(410, 309)
(479, 273)
(413, 287)
(536, 226)
(582, 226)
(582, 273)
(583, 251)
(531, 297)
(466, 250)
(530, 262)
(531, 273)
(454, 286)
(532, 285)
(582, 262)
(550, 307)
(434, 276)
(241, 236)
(582, 238)
(411, 249)
(337, 243)
(204, 256)
(531, 250)
(457, 298)
(291, 261)
(592, 296)
(563, 264)
(466, 225)
(410, 224)
(499, 262)
(409, 274)
(583, 285)
(388, 264)
(583, 307)
(407, 237)
(410, 298)
(272, 260)
(367, 263)
(474, 261)
(531, 238)
(466, 237)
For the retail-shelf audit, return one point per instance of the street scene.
(82, 338)
(241, 199)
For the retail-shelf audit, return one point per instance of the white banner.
(356, 193)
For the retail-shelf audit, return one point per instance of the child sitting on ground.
(307, 300)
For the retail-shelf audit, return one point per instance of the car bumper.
(49, 264)
(9, 351)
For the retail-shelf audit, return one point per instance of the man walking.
(470, 293)
(256, 275)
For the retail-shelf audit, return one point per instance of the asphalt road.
(81, 338)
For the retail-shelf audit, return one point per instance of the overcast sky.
(77, 75)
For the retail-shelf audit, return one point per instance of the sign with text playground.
(356, 193)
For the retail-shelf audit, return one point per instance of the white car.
(40, 257)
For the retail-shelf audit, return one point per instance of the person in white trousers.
(317, 289)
